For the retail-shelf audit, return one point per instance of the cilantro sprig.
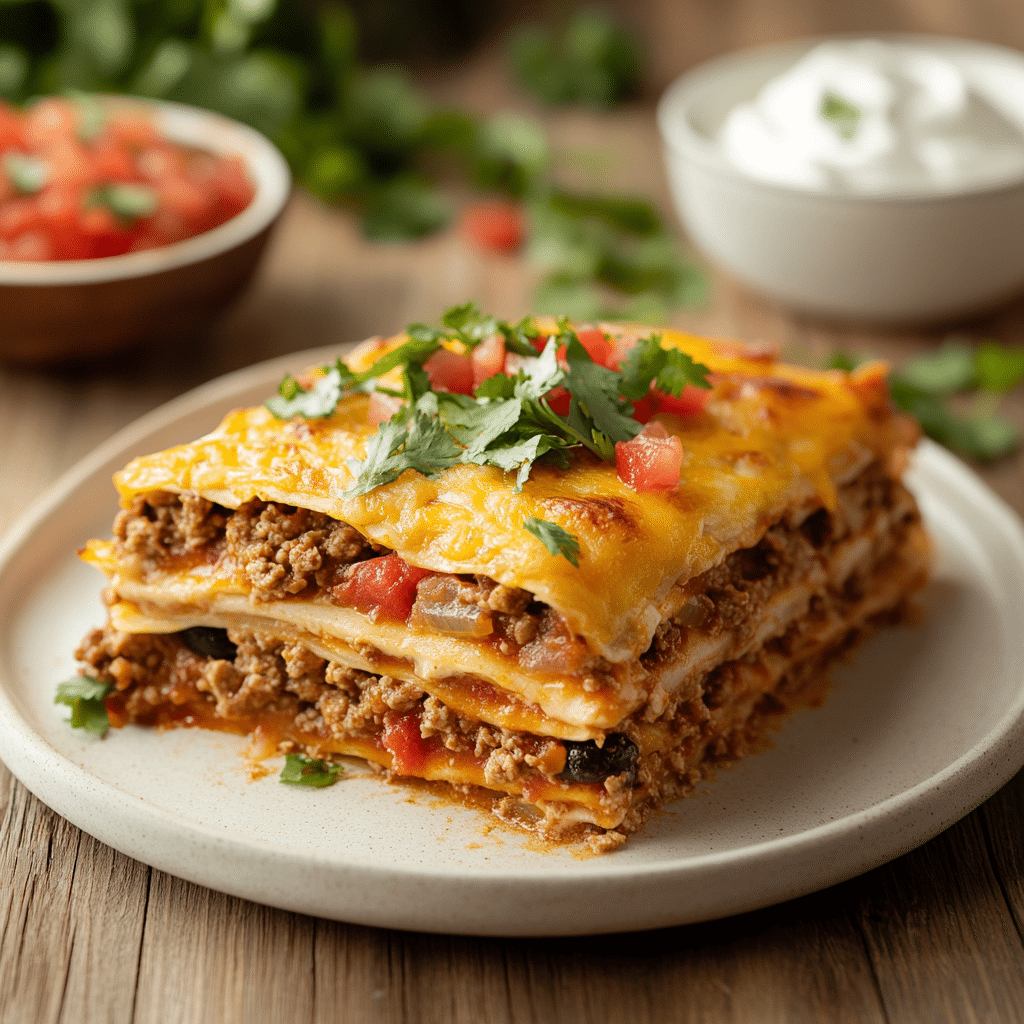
(300, 770)
(509, 421)
(933, 388)
(84, 695)
(556, 539)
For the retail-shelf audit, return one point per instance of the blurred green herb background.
(359, 133)
(955, 391)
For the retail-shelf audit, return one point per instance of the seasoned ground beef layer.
(294, 553)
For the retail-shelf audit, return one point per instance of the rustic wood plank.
(940, 934)
(210, 957)
(60, 928)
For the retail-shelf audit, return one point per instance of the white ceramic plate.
(927, 723)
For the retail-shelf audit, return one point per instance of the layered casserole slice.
(570, 568)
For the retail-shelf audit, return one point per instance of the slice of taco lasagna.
(571, 567)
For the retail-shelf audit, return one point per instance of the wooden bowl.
(72, 309)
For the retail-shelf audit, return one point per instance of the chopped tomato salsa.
(82, 180)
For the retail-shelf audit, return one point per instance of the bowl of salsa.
(124, 219)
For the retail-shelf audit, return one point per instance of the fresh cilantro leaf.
(595, 390)
(501, 385)
(84, 695)
(997, 367)
(518, 337)
(463, 323)
(416, 350)
(669, 369)
(422, 443)
(843, 361)
(320, 400)
(300, 770)
(401, 208)
(947, 369)
(843, 115)
(28, 174)
(592, 60)
(556, 539)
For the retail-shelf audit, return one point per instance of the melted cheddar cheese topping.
(773, 437)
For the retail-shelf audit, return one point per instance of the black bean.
(587, 762)
(214, 643)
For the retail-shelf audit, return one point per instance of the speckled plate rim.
(600, 895)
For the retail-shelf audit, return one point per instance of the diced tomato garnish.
(598, 347)
(645, 408)
(401, 736)
(559, 399)
(18, 216)
(380, 586)
(29, 247)
(649, 463)
(382, 408)
(690, 401)
(488, 358)
(494, 227)
(49, 120)
(449, 371)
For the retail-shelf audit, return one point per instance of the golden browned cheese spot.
(599, 513)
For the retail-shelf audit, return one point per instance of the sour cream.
(873, 117)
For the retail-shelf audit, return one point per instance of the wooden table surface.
(87, 934)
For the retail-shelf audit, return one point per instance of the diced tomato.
(621, 347)
(494, 227)
(449, 371)
(559, 399)
(690, 401)
(488, 358)
(401, 736)
(645, 408)
(382, 408)
(649, 463)
(598, 347)
(380, 586)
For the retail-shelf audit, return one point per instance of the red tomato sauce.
(79, 180)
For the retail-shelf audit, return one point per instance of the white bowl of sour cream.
(874, 179)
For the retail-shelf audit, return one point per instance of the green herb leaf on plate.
(300, 770)
(84, 695)
(949, 368)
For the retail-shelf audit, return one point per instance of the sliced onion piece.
(439, 608)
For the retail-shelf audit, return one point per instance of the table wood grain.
(89, 935)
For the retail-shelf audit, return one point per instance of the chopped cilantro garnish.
(126, 201)
(556, 539)
(843, 115)
(28, 174)
(508, 422)
(668, 369)
(84, 695)
(300, 770)
(998, 368)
